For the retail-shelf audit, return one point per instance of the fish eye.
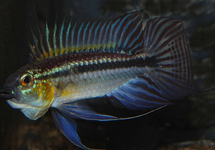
(27, 79)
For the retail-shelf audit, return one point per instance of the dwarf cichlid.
(131, 64)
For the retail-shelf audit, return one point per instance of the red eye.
(27, 79)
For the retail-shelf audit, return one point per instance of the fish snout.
(7, 93)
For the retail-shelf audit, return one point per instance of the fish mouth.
(10, 93)
(7, 93)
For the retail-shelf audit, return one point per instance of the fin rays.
(106, 35)
(165, 39)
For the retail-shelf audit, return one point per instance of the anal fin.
(139, 93)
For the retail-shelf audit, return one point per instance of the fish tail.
(165, 44)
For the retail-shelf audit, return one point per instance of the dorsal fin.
(119, 35)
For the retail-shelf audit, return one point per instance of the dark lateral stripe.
(139, 62)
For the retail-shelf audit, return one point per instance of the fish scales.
(113, 68)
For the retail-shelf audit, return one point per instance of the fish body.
(133, 66)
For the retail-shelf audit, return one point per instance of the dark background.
(189, 123)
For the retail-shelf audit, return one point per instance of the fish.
(127, 62)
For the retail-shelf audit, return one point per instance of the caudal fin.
(165, 39)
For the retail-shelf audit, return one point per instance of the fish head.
(24, 91)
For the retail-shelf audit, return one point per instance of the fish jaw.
(31, 112)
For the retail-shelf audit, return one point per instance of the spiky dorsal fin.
(120, 35)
